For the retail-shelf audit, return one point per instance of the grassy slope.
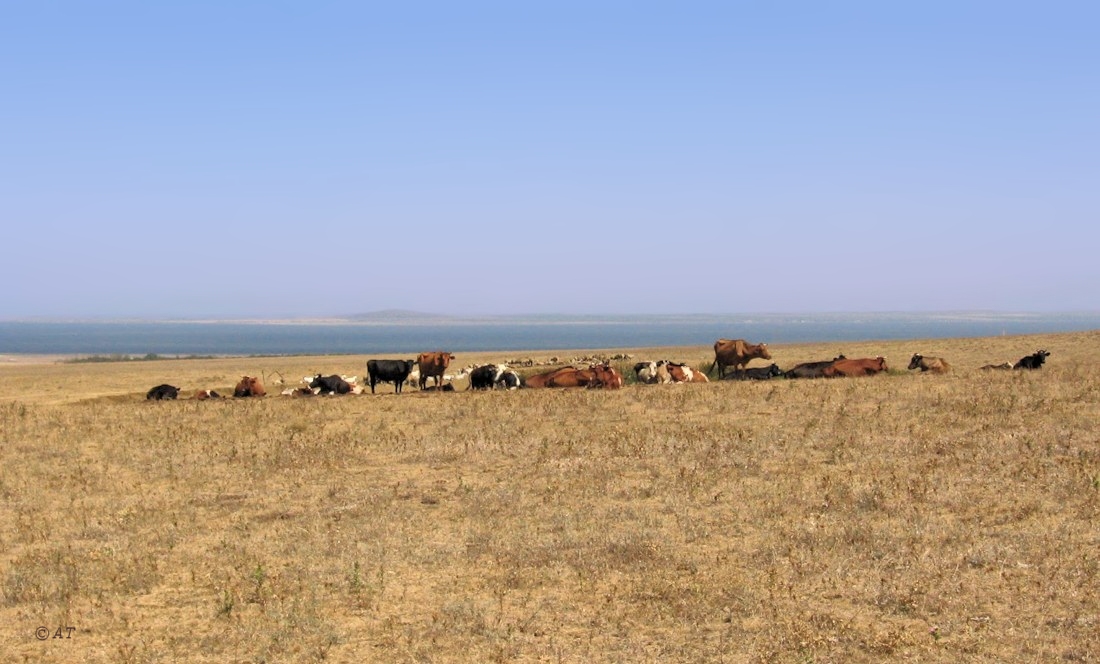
(932, 518)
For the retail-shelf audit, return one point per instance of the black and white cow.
(389, 371)
(490, 376)
(485, 377)
(510, 379)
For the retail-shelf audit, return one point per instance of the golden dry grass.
(899, 517)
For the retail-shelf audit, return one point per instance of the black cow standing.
(164, 391)
(1033, 361)
(389, 371)
(330, 384)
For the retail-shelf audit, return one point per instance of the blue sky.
(262, 159)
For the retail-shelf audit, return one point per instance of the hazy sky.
(274, 158)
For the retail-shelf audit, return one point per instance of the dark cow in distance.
(433, 365)
(389, 371)
(765, 373)
(811, 369)
(737, 353)
(164, 391)
(1033, 361)
(936, 365)
(330, 384)
(864, 366)
(249, 386)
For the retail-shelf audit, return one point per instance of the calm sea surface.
(544, 333)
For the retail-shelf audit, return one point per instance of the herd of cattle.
(731, 357)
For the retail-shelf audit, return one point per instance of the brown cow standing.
(433, 364)
(250, 386)
(936, 365)
(858, 367)
(737, 353)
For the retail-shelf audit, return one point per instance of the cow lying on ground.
(389, 371)
(303, 391)
(646, 372)
(597, 375)
(811, 369)
(1002, 365)
(249, 386)
(1033, 361)
(859, 367)
(665, 371)
(755, 374)
(163, 391)
(490, 376)
(737, 353)
(936, 365)
(202, 395)
(330, 384)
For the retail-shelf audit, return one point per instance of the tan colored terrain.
(897, 517)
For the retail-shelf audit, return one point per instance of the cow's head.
(915, 362)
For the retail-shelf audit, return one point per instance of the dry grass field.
(897, 517)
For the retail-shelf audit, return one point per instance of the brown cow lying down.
(934, 364)
(250, 386)
(597, 375)
(859, 367)
(1002, 365)
(203, 395)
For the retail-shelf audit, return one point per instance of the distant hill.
(398, 316)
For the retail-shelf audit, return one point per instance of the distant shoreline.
(170, 340)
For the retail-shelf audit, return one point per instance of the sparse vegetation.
(918, 517)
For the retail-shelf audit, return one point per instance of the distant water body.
(537, 333)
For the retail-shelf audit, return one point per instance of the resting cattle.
(646, 372)
(163, 391)
(203, 395)
(680, 373)
(330, 384)
(755, 374)
(486, 377)
(433, 365)
(510, 380)
(936, 365)
(859, 367)
(598, 375)
(1002, 365)
(389, 371)
(811, 369)
(608, 376)
(737, 353)
(1033, 361)
(249, 386)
